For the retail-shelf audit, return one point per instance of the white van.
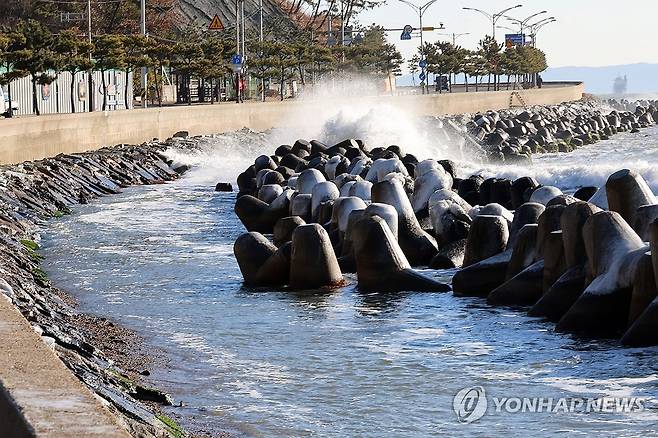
(4, 103)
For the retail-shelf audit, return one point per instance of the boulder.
(223, 187)
(381, 264)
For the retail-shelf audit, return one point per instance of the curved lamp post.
(522, 23)
(493, 17)
(420, 10)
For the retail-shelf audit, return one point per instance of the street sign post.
(236, 62)
(406, 32)
(514, 39)
(216, 23)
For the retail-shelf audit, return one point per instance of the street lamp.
(522, 23)
(455, 36)
(493, 17)
(537, 26)
(420, 10)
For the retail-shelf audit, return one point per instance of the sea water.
(262, 363)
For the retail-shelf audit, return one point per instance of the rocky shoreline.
(579, 258)
(103, 355)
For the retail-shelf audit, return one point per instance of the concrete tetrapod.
(418, 246)
(380, 263)
(252, 250)
(480, 279)
(487, 237)
(259, 216)
(313, 262)
(627, 191)
(565, 290)
(613, 251)
(644, 330)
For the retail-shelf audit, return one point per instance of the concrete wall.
(32, 138)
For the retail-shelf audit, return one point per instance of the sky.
(587, 33)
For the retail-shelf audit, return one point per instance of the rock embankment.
(578, 259)
(514, 135)
(30, 194)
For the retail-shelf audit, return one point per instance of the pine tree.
(108, 55)
(75, 53)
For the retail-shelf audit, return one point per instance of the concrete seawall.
(34, 138)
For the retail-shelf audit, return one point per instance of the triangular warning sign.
(216, 23)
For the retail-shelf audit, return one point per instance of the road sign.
(514, 39)
(422, 63)
(216, 23)
(421, 76)
(236, 59)
(406, 32)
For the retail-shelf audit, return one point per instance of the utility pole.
(420, 10)
(144, 69)
(90, 72)
(260, 39)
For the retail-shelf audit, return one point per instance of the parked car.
(4, 104)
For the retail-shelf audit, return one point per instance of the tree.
(443, 58)
(12, 51)
(187, 61)
(214, 65)
(262, 64)
(39, 58)
(75, 53)
(413, 67)
(108, 55)
(490, 51)
(135, 49)
(159, 55)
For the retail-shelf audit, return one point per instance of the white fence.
(55, 98)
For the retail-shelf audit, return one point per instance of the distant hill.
(642, 78)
